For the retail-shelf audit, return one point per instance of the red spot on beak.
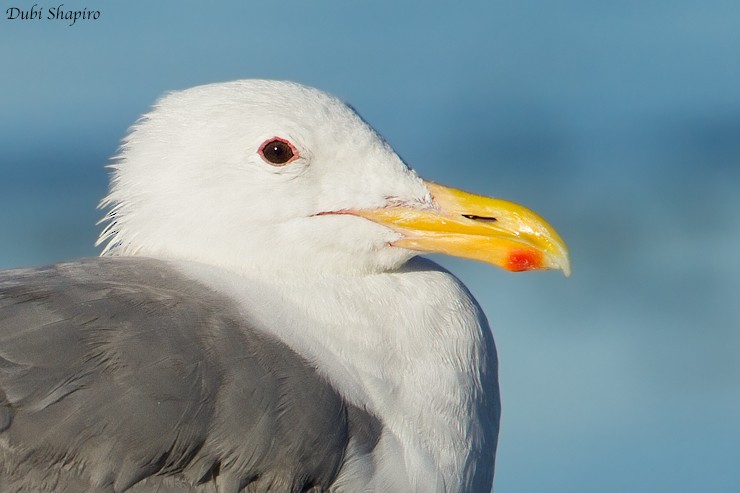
(524, 259)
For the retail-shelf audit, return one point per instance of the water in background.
(620, 123)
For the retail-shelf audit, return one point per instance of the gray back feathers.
(119, 374)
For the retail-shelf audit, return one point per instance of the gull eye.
(278, 152)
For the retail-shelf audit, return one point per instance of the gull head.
(275, 177)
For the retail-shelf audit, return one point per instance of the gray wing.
(119, 374)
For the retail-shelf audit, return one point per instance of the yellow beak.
(471, 226)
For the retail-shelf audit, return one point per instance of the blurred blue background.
(617, 121)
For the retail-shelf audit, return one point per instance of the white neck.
(401, 345)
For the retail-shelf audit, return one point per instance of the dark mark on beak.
(480, 218)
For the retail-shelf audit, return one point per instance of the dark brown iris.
(277, 151)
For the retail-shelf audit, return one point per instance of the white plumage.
(190, 184)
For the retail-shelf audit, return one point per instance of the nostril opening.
(480, 218)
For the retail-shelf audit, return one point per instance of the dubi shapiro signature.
(52, 13)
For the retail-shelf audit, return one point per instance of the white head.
(194, 181)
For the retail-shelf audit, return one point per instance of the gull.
(259, 318)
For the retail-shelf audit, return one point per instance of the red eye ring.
(277, 151)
